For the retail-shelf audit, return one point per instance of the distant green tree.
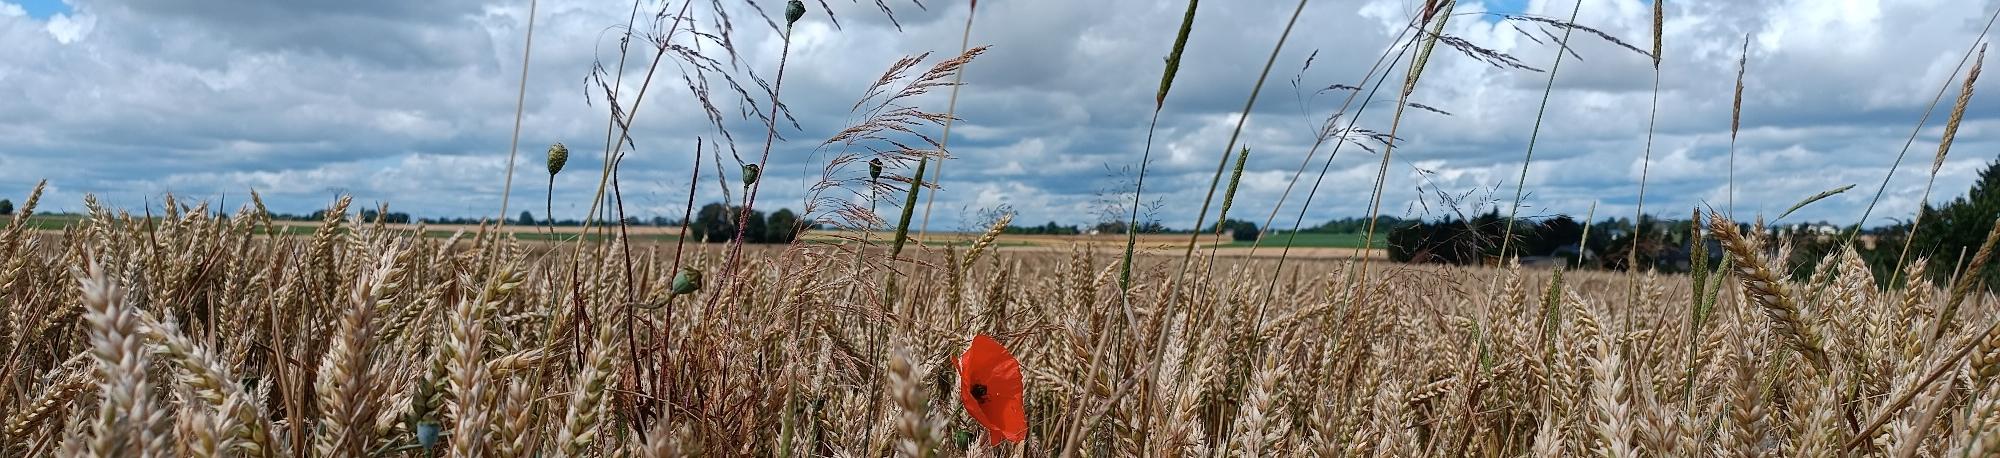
(1960, 224)
(782, 227)
(6, 207)
(1239, 230)
(1554, 233)
(1118, 227)
(527, 219)
(714, 223)
(1244, 231)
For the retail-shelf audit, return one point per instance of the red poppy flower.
(989, 382)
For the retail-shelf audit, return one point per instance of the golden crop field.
(200, 337)
(229, 332)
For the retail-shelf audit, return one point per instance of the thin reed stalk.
(1541, 111)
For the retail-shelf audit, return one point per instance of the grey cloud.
(412, 103)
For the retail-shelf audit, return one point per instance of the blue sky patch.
(43, 9)
(1506, 6)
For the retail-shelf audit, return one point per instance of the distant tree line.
(1945, 241)
(1354, 225)
(716, 223)
(713, 223)
(1663, 245)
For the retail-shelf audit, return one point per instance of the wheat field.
(192, 335)
(213, 332)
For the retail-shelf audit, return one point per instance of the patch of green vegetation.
(1313, 240)
(544, 236)
(46, 222)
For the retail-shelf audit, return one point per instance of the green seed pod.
(794, 10)
(750, 173)
(875, 169)
(687, 281)
(558, 155)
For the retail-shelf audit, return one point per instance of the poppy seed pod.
(750, 173)
(794, 10)
(687, 281)
(875, 169)
(558, 155)
(427, 434)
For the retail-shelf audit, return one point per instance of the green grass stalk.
(1548, 90)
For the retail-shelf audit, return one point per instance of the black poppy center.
(979, 392)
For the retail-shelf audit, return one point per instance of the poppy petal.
(990, 386)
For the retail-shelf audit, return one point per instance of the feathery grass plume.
(1330, 131)
(883, 120)
(1768, 292)
(1967, 280)
(1396, 121)
(753, 169)
(129, 422)
(1944, 148)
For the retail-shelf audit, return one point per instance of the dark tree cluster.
(715, 223)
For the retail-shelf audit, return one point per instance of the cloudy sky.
(412, 103)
